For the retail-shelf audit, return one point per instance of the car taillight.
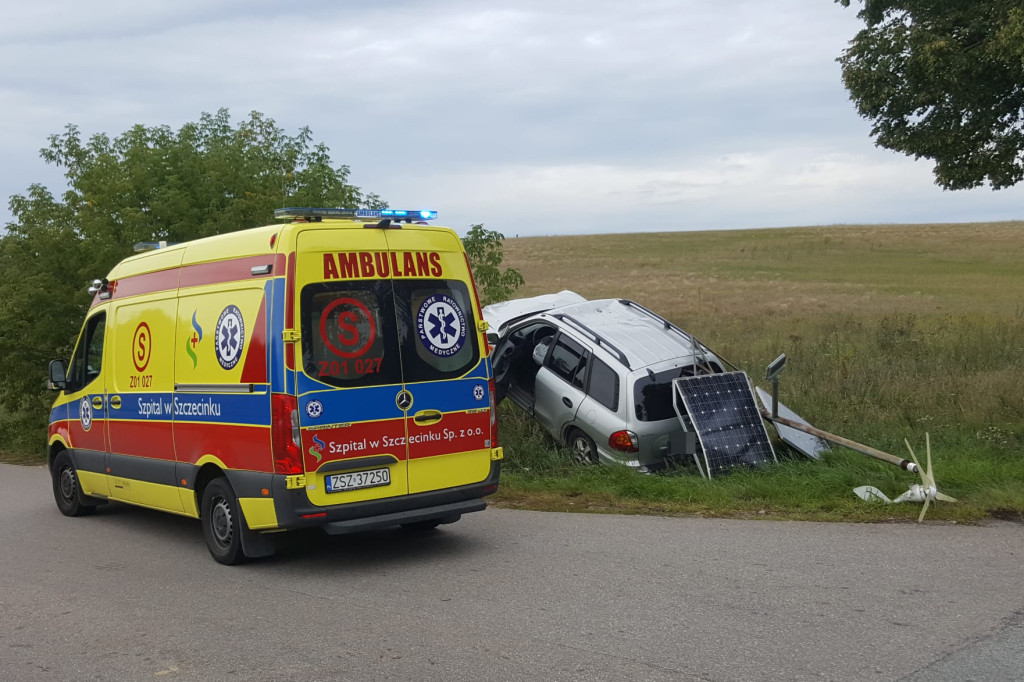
(494, 414)
(624, 441)
(284, 434)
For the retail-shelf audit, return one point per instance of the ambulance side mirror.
(58, 376)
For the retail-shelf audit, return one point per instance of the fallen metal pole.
(845, 442)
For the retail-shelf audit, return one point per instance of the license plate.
(355, 480)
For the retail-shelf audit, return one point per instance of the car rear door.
(560, 384)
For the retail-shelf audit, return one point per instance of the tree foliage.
(484, 250)
(943, 80)
(149, 183)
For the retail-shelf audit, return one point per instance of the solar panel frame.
(725, 416)
(804, 443)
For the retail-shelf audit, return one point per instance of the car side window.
(87, 362)
(569, 360)
(604, 385)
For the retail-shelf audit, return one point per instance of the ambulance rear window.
(380, 332)
(348, 334)
(437, 329)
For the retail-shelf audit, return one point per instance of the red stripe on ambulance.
(127, 435)
(236, 445)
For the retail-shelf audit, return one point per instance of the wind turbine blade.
(914, 457)
(924, 510)
(870, 493)
(928, 446)
(944, 497)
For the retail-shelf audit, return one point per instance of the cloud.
(688, 114)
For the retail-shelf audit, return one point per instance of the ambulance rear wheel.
(66, 491)
(221, 519)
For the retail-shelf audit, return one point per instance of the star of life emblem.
(85, 413)
(230, 337)
(441, 325)
(314, 408)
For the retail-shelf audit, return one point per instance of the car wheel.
(584, 452)
(221, 522)
(66, 490)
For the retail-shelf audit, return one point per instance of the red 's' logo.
(142, 347)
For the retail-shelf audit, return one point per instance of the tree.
(206, 178)
(943, 80)
(484, 250)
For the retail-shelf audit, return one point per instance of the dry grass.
(856, 270)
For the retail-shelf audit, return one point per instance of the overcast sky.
(533, 117)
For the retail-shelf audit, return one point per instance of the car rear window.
(652, 395)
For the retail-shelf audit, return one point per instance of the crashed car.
(597, 375)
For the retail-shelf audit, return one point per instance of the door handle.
(115, 401)
(97, 402)
(566, 402)
(427, 417)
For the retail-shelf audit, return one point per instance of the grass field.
(891, 331)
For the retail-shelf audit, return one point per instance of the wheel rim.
(582, 451)
(220, 522)
(67, 484)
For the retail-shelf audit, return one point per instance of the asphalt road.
(506, 595)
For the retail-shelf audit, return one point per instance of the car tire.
(584, 452)
(221, 522)
(66, 489)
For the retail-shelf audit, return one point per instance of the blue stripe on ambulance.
(248, 409)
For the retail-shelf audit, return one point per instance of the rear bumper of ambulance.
(294, 510)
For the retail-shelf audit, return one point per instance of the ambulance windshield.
(370, 333)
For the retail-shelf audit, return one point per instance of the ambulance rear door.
(349, 371)
(446, 399)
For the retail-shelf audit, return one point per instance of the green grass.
(984, 473)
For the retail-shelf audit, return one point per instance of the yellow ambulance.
(330, 371)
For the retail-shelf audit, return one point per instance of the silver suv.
(598, 375)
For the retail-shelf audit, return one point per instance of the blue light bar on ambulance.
(141, 247)
(358, 213)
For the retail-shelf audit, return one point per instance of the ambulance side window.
(88, 359)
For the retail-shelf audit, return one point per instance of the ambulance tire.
(221, 522)
(66, 490)
(584, 452)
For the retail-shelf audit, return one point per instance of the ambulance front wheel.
(66, 490)
(221, 522)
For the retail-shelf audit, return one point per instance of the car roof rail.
(597, 338)
(696, 345)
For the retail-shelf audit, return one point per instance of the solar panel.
(722, 410)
